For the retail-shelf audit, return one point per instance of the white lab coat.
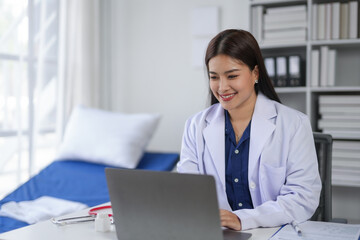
(283, 174)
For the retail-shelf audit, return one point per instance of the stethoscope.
(92, 213)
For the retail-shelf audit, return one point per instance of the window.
(28, 88)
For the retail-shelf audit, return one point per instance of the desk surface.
(86, 230)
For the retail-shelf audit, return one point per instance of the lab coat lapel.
(214, 135)
(261, 130)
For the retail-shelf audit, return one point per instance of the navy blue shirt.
(236, 163)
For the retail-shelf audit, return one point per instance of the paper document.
(42, 208)
(312, 230)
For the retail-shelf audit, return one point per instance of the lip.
(227, 97)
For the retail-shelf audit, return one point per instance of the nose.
(223, 85)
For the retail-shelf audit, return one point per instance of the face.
(232, 82)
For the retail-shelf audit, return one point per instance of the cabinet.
(315, 36)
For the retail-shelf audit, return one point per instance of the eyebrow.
(229, 71)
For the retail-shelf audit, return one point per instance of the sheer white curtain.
(80, 59)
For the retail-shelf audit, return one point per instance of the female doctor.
(260, 152)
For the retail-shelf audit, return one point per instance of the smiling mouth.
(227, 97)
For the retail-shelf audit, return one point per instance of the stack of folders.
(285, 71)
(323, 67)
(335, 20)
(346, 163)
(278, 25)
(287, 23)
(340, 117)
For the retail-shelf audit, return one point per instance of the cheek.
(246, 83)
(239, 85)
(213, 86)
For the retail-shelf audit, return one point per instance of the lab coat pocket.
(272, 179)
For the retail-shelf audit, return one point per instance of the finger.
(229, 220)
(224, 212)
(234, 225)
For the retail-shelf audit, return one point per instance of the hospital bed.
(78, 181)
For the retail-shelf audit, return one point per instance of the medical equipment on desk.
(102, 222)
(93, 212)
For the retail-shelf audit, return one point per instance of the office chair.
(323, 144)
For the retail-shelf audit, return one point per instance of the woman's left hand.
(229, 220)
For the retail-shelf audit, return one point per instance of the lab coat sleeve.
(188, 158)
(299, 194)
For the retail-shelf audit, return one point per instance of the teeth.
(228, 96)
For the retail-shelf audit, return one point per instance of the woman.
(260, 152)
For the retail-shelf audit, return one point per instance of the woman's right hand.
(230, 220)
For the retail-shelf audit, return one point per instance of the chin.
(226, 106)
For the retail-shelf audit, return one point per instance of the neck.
(244, 113)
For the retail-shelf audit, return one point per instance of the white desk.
(48, 230)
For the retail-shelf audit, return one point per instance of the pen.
(296, 228)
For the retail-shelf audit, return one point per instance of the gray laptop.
(165, 206)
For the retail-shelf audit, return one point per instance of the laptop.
(165, 205)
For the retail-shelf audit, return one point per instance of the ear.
(255, 73)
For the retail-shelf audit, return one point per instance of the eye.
(232, 76)
(213, 77)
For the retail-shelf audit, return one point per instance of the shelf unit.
(347, 67)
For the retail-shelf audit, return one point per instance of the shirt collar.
(229, 131)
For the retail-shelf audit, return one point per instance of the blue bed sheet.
(76, 181)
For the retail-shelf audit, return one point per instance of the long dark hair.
(241, 45)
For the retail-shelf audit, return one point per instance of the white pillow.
(115, 139)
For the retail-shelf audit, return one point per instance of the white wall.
(152, 72)
(152, 61)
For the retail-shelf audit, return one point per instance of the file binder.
(270, 67)
(281, 71)
(295, 76)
